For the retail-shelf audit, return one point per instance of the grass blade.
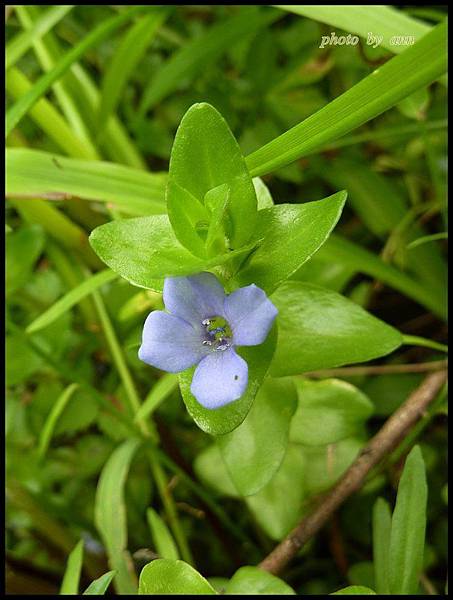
(418, 66)
(52, 419)
(382, 523)
(24, 40)
(99, 586)
(23, 105)
(70, 299)
(32, 174)
(407, 538)
(383, 20)
(163, 541)
(131, 49)
(70, 584)
(110, 515)
(160, 390)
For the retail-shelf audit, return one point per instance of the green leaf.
(415, 105)
(199, 52)
(328, 411)
(382, 523)
(159, 392)
(254, 451)
(23, 248)
(110, 515)
(99, 586)
(186, 214)
(292, 234)
(278, 506)
(70, 583)
(205, 155)
(210, 469)
(226, 418)
(24, 40)
(338, 249)
(106, 27)
(320, 329)
(353, 590)
(145, 250)
(383, 20)
(70, 299)
(407, 538)
(81, 410)
(32, 173)
(263, 195)
(416, 67)
(52, 419)
(162, 539)
(165, 576)
(252, 580)
(217, 201)
(126, 58)
(324, 465)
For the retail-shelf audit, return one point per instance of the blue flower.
(203, 328)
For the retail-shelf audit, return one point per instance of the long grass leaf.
(70, 583)
(131, 49)
(70, 299)
(23, 105)
(24, 40)
(36, 174)
(417, 67)
(110, 515)
(384, 21)
(52, 419)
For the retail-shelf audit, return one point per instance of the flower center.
(218, 333)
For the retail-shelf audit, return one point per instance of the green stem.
(146, 431)
(415, 340)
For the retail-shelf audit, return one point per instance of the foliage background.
(265, 73)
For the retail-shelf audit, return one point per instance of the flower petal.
(250, 314)
(219, 379)
(169, 343)
(194, 298)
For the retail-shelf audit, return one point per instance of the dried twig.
(393, 430)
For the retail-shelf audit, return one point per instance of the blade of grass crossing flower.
(70, 584)
(52, 419)
(24, 40)
(131, 49)
(417, 67)
(99, 586)
(70, 299)
(23, 105)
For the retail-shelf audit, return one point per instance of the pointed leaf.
(320, 329)
(254, 451)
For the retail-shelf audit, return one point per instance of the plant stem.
(415, 340)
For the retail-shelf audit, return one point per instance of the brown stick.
(381, 444)
(433, 365)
